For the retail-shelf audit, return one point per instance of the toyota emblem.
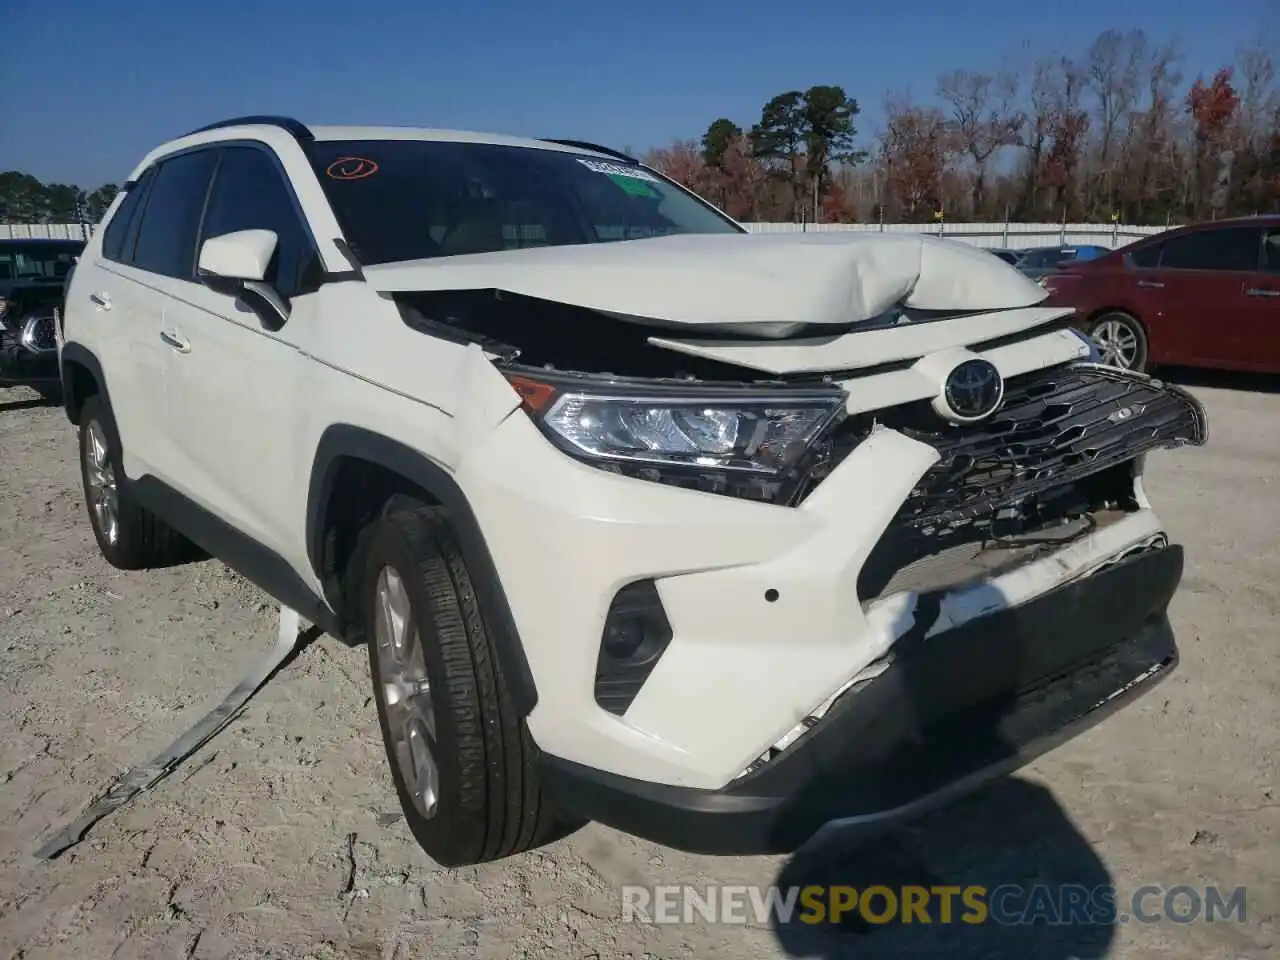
(973, 390)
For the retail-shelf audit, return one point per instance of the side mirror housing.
(243, 255)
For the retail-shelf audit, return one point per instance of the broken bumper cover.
(949, 713)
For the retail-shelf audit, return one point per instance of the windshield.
(37, 261)
(411, 199)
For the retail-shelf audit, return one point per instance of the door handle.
(1260, 292)
(175, 341)
(100, 300)
(1153, 284)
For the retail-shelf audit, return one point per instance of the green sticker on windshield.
(634, 187)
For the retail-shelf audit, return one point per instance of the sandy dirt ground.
(282, 838)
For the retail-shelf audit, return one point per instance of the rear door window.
(1234, 249)
(113, 240)
(171, 219)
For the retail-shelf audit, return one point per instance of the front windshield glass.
(37, 261)
(412, 199)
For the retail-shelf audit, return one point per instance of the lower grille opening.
(937, 559)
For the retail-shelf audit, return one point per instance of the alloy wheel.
(104, 492)
(406, 692)
(1118, 342)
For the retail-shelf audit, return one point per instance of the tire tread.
(501, 811)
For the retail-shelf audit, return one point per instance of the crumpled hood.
(765, 284)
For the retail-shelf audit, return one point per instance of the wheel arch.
(82, 377)
(1095, 315)
(344, 451)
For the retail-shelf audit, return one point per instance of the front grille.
(1054, 427)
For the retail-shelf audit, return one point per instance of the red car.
(1206, 295)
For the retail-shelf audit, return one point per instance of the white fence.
(57, 231)
(1014, 235)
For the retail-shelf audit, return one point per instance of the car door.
(158, 251)
(118, 317)
(238, 381)
(1200, 288)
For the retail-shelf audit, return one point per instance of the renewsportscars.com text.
(1008, 904)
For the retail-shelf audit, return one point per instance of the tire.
(129, 536)
(487, 800)
(1122, 339)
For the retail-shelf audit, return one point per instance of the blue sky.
(92, 85)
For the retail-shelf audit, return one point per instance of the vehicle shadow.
(27, 403)
(1023, 882)
(1221, 379)
(1011, 835)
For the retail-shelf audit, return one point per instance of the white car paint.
(242, 255)
(244, 409)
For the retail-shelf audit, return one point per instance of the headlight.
(678, 433)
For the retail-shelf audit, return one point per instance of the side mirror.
(243, 255)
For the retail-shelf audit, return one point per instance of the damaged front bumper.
(932, 607)
(945, 716)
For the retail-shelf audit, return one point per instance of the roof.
(260, 123)
(272, 128)
(326, 133)
(1251, 220)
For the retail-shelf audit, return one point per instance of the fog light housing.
(636, 633)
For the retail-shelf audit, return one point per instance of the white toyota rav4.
(718, 538)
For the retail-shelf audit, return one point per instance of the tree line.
(1116, 132)
(24, 199)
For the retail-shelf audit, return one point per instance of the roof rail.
(586, 145)
(294, 128)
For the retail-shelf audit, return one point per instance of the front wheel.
(1121, 340)
(461, 757)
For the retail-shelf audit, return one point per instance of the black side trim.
(344, 440)
(75, 354)
(258, 564)
(294, 128)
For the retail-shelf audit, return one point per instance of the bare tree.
(1149, 149)
(915, 148)
(1114, 70)
(985, 118)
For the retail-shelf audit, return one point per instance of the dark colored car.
(34, 275)
(1010, 257)
(1205, 295)
(1041, 261)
